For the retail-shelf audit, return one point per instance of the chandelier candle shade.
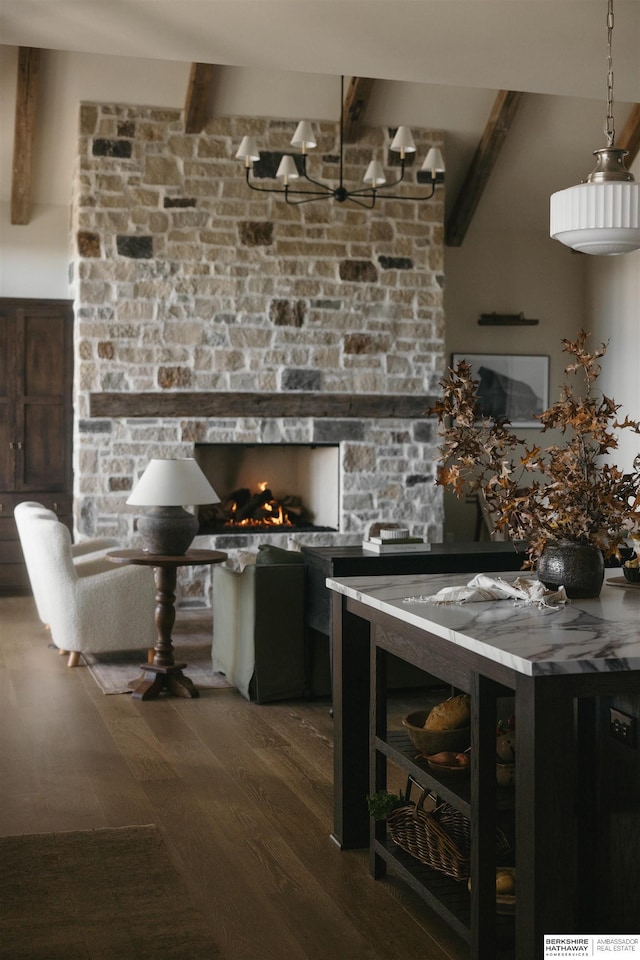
(601, 216)
(166, 486)
(374, 178)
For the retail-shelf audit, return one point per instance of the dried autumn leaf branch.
(561, 492)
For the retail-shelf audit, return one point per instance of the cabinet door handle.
(55, 507)
(15, 445)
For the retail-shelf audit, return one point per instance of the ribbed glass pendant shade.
(597, 218)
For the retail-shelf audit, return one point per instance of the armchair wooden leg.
(62, 653)
(150, 654)
(74, 658)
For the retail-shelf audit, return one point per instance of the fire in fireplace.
(302, 491)
(242, 508)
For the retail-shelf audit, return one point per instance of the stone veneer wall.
(184, 279)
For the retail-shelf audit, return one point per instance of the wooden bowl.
(446, 768)
(435, 741)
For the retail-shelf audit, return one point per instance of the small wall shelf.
(506, 320)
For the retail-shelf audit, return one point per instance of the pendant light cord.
(609, 126)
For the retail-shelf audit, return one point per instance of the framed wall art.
(511, 386)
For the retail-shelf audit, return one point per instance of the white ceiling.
(541, 46)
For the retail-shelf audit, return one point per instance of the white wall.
(34, 259)
(508, 264)
(613, 298)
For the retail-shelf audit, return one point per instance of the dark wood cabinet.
(36, 377)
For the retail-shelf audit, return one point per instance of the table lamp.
(165, 486)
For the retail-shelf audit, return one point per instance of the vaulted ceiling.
(538, 46)
(510, 47)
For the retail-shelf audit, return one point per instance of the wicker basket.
(440, 838)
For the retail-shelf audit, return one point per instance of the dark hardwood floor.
(242, 794)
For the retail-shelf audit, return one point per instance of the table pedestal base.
(155, 679)
(164, 674)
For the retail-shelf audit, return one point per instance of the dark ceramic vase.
(576, 565)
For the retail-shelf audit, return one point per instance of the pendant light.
(602, 215)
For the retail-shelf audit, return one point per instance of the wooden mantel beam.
(24, 133)
(485, 157)
(203, 404)
(355, 104)
(196, 107)
(630, 137)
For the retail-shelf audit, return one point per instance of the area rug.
(192, 636)
(110, 894)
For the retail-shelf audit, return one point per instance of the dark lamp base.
(167, 531)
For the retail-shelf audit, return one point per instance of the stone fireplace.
(210, 315)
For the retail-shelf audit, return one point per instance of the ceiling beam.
(355, 104)
(24, 133)
(196, 107)
(630, 137)
(488, 150)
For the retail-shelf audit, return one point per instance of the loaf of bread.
(450, 714)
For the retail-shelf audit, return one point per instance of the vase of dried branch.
(577, 565)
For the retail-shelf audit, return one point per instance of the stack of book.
(395, 540)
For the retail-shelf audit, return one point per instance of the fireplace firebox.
(282, 488)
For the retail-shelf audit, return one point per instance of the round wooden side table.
(164, 673)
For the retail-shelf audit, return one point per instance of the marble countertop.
(581, 636)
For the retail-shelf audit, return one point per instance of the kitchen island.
(555, 662)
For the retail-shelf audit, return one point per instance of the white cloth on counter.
(483, 588)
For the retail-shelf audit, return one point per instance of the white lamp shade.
(433, 164)
(403, 141)
(287, 169)
(374, 174)
(248, 150)
(598, 218)
(304, 137)
(169, 483)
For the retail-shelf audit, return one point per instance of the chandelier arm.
(264, 189)
(394, 183)
(318, 183)
(326, 191)
(395, 196)
(353, 197)
(309, 196)
(252, 186)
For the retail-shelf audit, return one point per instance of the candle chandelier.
(432, 170)
(601, 216)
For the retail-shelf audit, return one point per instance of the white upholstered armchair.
(110, 610)
(89, 556)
